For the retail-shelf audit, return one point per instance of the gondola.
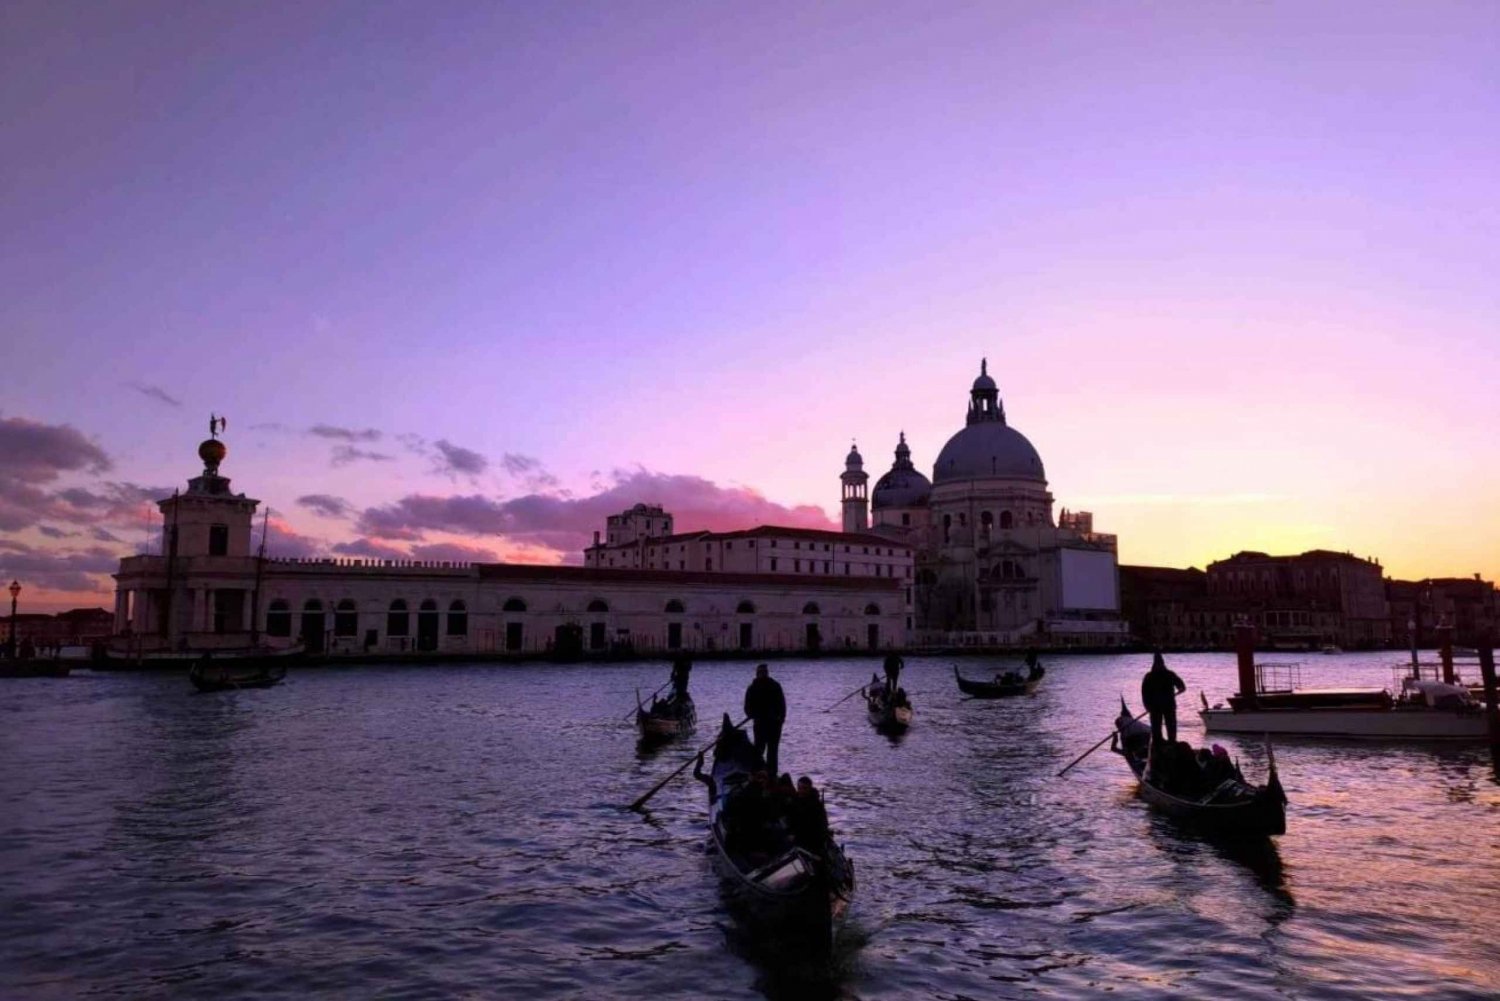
(1224, 805)
(793, 892)
(1010, 684)
(209, 675)
(887, 714)
(665, 719)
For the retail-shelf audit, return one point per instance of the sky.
(467, 277)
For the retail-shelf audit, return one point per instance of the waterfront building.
(767, 588)
(993, 566)
(1170, 608)
(1313, 598)
(1469, 605)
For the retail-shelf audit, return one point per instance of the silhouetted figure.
(765, 704)
(1034, 668)
(682, 667)
(1159, 690)
(893, 666)
(808, 818)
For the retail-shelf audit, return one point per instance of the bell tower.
(856, 492)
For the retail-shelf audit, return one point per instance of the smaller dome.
(212, 452)
(903, 486)
(854, 460)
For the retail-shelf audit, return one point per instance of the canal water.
(458, 831)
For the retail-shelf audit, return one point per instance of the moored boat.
(666, 719)
(786, 873)
(35, 667)
(1272, 701)
(889, 713)
(1207, 792)
(1006, 684)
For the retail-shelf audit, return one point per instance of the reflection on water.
(441, 831)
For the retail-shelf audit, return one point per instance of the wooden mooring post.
(1491, 704)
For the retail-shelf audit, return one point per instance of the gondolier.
(893, 665)
(682, 667)
(1159, 690)
(765, 704)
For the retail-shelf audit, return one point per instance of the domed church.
(993, 566)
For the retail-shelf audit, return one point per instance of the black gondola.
(787, 888)
(888, 714)
(209, 675)
(665, 719)
(1215, 800)
(1007, 684)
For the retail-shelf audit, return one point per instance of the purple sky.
(1233, 265)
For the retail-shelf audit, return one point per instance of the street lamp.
(15, 592)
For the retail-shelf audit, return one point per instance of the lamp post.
(15, 592)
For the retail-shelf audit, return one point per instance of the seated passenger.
(809, 820)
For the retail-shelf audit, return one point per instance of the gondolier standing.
(893, 665)
(765, 704)
(1159, 690)
(681, 668)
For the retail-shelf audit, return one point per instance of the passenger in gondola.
(1034, 669)
(765, 704)
(893, 666)
(1159, 690)
(809, 820)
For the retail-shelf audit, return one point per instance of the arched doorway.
(427, 626)
(312, 626)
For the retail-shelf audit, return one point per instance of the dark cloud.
(79, 570)
(566, 524)
(350, 435)
(345, 454)
(32, 452)
(454, 460)
(454, 552)
(326, 505)
(53, 532)
(531, 472)
(284, 541)
(104, 535)
(156, 393)
(370, 549)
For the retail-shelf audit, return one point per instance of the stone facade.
(763, 589)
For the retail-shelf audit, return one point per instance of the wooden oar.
(1096, 746)
(680, 769)
(638, 697)
(862, 686)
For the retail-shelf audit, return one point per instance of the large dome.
(988, 450)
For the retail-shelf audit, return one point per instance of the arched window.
(811, 608)
(279, 619)
(987, 522)
(947, 528)
(598, 606)
(515, 605)
(218, 540)
(872, 609)
(746, 608)
(458, 619)
(397, 620)
(1007, 520)
(676, 607)
(346, 618)
(312, 605)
